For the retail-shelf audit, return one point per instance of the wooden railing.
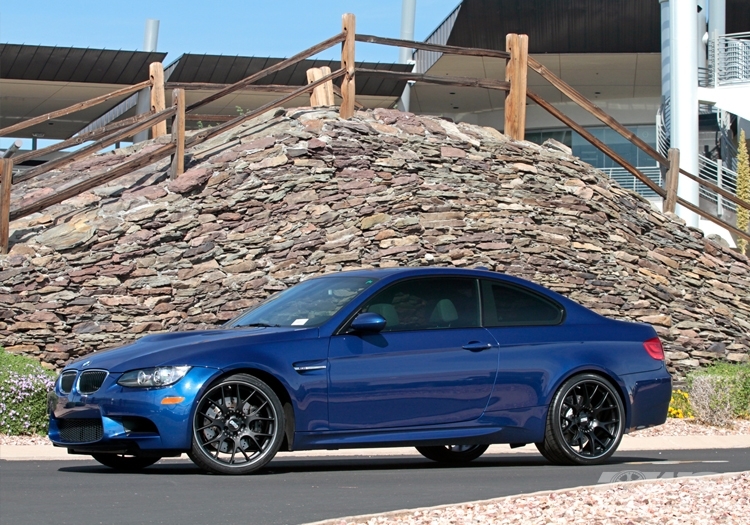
(320, 85)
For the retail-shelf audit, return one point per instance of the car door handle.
(476, 346)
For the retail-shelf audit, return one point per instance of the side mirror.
(368, 322)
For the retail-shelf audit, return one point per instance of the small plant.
(720, 392)
(743, 189)
(23, 395)
(679, 405)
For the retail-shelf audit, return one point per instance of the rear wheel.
(585, 422)
(238, 426)
(125, 463)
(453, 453)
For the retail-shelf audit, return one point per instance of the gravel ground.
(682, 501)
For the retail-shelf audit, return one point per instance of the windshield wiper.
(257, 325)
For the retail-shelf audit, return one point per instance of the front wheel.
(238, 426)
(125, 463)
(585, 422)
(453, 453)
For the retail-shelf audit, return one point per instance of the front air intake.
(80, 430)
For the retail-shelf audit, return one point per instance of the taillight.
(654, 348)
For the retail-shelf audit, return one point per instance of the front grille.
(67, 380)
(80, 430)
(91, 380)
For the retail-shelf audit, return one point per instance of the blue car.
(446, 360)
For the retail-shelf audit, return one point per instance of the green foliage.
(743, 189)
(23, 395)
(679, 405)
(718, 388)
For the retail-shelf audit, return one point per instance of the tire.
(238, 426)
(585, 422)
(125, 463)
(453, 453)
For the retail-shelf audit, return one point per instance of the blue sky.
(227, 27)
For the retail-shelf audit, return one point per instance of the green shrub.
(720, 392)
(23, 395)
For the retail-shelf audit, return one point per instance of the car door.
(432, 364)
(526, 326)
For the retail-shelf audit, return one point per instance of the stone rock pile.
(298, 193)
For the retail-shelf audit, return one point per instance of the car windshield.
(310, 303)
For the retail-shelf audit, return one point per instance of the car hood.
(187, 348)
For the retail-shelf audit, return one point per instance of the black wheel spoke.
(588, 419)
(236, 426)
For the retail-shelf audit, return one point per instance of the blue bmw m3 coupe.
(446, 360)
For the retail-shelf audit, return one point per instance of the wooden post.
(158, 102)
(6, 179)
(178, 134)
(323, 94)
(672, 180)
(515, 73)
(348, 91)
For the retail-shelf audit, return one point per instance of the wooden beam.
(487, 83)
(449, 50)
(323, 94)
(696, 209)
(337, 92)
(208, 86)
(673, 179)
(158, 102)
(206, 134)
(515, 73)
(72, 109)
(6, 180)
(299, 57)
(607, 151)
(596, 142)
(348, 91)
(104, 176)
(80, 139)
(117, 136)
(210, 118)
(589, 106)
(178, 134)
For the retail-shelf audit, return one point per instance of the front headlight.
(153, 377)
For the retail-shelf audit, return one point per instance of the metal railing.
(629, 182)
(719, 174)
(728, 59)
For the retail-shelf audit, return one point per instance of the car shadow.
(281, 465)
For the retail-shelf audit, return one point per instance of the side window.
(428, 303)
(509, 305)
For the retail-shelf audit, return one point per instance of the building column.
(683, 46)
(143, 105)
(408, 16)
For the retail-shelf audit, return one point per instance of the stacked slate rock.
(297, 193)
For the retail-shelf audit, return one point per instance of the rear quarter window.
(511, 305)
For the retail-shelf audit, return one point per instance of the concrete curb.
(629, 444)
(605, 486)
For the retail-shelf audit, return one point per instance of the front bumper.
(127, 420)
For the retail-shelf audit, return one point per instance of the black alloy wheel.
(453, 453)
(585, 422)
(124, 462)
(238, 426)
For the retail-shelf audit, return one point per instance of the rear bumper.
(649, 394)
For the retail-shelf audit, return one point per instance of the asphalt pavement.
(303, 487)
